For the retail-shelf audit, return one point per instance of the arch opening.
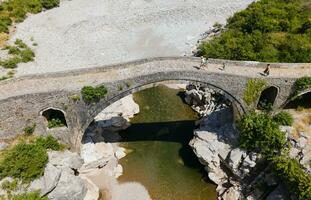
(267, 98)
(55, 118)
(300, 102)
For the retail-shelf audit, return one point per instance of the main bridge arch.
(224, 84)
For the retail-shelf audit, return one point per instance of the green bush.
(293, 175)
(253, 90)
(259, 133)
(10, 63)
(21, 53)
(49, 142)
(93, 94)
(5, 22)
(48, 4)
(301, 84)
(268, 30)
(54, 123)
(283, 118)
(24, 161)
(28, 130)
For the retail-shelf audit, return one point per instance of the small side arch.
(267, 98)
(54, 117)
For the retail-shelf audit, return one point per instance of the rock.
(248, 163)
(235, 158)
(233, 193)
(3, 146)
(65, 159)
(287, 130)
(118, 171)
(302, 134)
(91, 152)
(95, 164)
(302, 142)
(293, 152)
(120, 153)
(69, 187)
(270, 179)
(49, 180)
(280, 193)
(92, 190)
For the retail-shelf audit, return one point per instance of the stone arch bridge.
(24, 99)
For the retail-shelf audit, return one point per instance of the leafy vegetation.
(301, 84)
(26, 161)
(283, 118)
(16, 10)
(259, 133)
(93, 94)
(28, 130)
(55, 122)
(253, 90)
(20, 52)
(291, 172)
(268, 30)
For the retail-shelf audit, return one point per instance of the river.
(159, 156)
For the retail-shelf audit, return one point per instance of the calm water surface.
(160, 157)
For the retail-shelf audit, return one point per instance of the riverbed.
(159, 156)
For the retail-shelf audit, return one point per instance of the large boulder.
(65, 159)
(69, 187)
(48, 181)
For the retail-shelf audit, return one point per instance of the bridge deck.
(75, 80)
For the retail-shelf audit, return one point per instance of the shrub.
(24, 161)
(54, 123)
(10, 63)
(75, 97)
(301, 84)
(28, 130)
(293, 175)
(283, 118)
(21, 52)
(268, 30)
(48, 142)
(48, 4)
(253, 90)
(93, 94)
(9, 185)
(5, 22)
(259, 133)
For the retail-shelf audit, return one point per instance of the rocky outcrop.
(204, 100)
(215, 142)
(300, 148)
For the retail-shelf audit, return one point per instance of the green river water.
(159, 155)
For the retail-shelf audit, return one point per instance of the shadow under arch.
(267, 97)
(303, 99)
(238, 108)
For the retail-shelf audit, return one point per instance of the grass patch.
(268, 30)
(28, 130)
(283, 118)
(19, 52)
(254, 87)
(54, 123)
(93, 94)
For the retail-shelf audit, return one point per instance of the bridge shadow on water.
(176, 131)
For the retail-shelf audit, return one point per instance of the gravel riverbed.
(88, 33)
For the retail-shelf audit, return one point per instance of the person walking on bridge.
(203, 62)
(267, 70)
